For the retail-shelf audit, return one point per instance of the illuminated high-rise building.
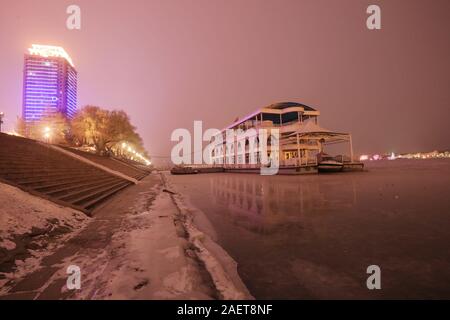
(49, 83)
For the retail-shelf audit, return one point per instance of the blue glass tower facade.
(49, 83)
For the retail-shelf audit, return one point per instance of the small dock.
(282, 170)
(353, 166)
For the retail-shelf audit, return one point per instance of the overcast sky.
(168, 63)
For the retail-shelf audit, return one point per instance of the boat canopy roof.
(284, 105)
(274, 110)
(312, 130)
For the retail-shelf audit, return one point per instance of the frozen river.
(313, 236)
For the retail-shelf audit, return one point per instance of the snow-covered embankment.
(30, 229)
(221, 267)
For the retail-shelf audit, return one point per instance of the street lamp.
(1, 120)
(47, 134)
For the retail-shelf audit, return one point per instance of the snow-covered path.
(131, 249)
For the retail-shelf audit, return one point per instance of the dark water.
(314, 236)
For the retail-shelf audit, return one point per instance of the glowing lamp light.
(364, 157)
(392, 156)
(50, 51)
(376, 157)
(47, 133)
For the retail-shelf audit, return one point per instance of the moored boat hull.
(330, 166)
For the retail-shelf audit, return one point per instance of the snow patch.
(221, 267)
(32, 228)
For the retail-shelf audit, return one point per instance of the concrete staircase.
(54, 175)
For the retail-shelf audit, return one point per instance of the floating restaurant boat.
(301, 142)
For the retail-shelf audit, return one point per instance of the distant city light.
(364, 157)
(425, 155)
(392, 156)
(418, 155)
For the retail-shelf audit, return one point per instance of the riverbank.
(219, 265)
(196, 237)
(139, 245)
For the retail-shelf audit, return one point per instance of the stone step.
(56, 176)
(105, 195)
(45, 177)
(61, 188)
(36, 181)
(89, 195)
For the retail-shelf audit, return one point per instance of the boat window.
(289, 117)
(275, 118)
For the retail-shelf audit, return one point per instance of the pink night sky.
(168, 63)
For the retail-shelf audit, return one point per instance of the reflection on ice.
(264, 204)
(315, 236)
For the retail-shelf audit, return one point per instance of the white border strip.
(92, 163)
